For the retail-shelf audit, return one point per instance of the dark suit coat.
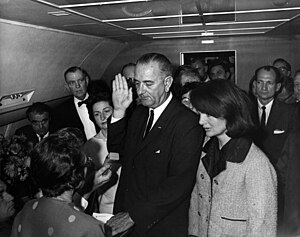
(158, 173)
(29, 133)
(289, 167)
(65, 115)
(283, 120)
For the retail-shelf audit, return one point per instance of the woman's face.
(213, 126)
(102, 110)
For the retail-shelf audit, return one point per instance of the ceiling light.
(207, 41)
(92, 4)
(207, 33)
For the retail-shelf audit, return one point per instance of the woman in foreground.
(235, 190)
(58, 166)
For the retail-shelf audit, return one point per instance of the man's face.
(7, 206)
(151, 87)
(282, 67)
(297, 86)
(77, 84)
(40, 122)
(266, 86)
(218, 72)
(128, 72)
(200, 67)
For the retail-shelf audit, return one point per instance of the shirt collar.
(76, 100)
(158, 111)
(268, 106)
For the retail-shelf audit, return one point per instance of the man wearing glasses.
(38, 115)
(73, 112)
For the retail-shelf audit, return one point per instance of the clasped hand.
(121, 96)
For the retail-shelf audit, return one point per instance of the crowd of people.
(167, 152)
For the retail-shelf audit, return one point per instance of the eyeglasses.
(37, 123)
(73, 83)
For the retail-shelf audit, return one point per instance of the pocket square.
(277, 131)
(157, 152)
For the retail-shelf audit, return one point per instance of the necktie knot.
(81, 103)
(149, 123)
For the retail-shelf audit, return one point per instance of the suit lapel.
(272, 120)
(158, 127)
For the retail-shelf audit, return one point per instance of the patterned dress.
(52, 217)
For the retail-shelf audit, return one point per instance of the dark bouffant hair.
(57, 162)
(223, 99)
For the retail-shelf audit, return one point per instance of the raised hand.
(121, 96)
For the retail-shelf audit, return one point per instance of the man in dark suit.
(39, 117)
(160, 153)
(275, 120)
(73, 112)
(280, 119)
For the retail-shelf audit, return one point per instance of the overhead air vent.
(16, 98)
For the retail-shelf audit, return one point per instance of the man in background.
(200, 65)
(39, 116)
(285, 69)
(218, 69)
(73, 112)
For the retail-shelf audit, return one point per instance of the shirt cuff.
(113, 119)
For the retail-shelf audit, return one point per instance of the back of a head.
(223, 99)
(163, 62)
(188, 75)
(57, 162)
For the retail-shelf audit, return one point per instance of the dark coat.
(289, 167)
(65, 115)
(158, 172)
(283, 120)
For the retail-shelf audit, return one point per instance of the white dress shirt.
(89, 127)
(268, 109)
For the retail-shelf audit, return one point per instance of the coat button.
(200, 195)
(216, 182)
(202, 176)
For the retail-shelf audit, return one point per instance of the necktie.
(81, 103)
(263, 117)
(149, 124)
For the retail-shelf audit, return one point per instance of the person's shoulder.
(256, 157)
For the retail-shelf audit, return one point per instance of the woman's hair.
(99, 97)
(57, 162)
(223, 99)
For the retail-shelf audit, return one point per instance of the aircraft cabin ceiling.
(137, 20)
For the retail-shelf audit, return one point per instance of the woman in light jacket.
(235, 190)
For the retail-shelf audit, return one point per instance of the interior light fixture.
(214, 30)
(207, 41)
(208, 24)
(93, 4)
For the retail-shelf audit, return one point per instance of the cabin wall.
(251, 53)
(33, 57)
